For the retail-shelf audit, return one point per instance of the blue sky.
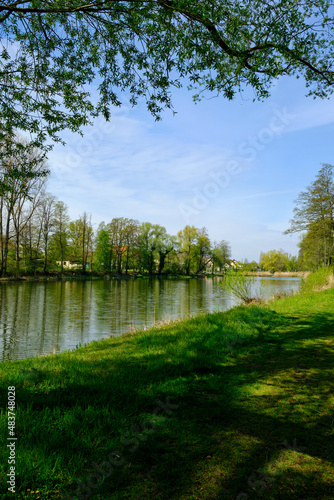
(235, 167)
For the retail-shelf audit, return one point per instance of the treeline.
(37, 235)
(273, 261)
(314, 218)
(42, 238)
(125, 244)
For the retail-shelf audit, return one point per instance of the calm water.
(46, 317)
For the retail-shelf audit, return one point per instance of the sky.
(233, 167)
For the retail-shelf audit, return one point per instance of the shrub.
(240, 285)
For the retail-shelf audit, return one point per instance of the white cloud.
(313, 114)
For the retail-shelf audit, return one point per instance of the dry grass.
(280, 274)
(291, 274)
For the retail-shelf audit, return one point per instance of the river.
(38, 318)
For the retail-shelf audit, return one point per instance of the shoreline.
(280, 274)
(90, 277)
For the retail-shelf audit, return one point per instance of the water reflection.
(45, 317)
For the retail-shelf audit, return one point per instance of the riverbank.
(280, 274)
(226, 405)
(72, 275)
(67, 275)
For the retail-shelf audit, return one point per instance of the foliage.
(51, 51)
(103, 249)
(250, 266)
(314, 214)
(278, 261)
(80, 236)
(187, 241)
(311, 251)
(221, 254)
(195, 249)
(202, 251)
(151, 238)
(240, 285)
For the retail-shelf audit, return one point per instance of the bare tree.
(45, 214)
(23, 172)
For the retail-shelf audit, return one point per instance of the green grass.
(250, 415)
(320, 279)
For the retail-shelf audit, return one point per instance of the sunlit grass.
(320, 280)
(246, 409)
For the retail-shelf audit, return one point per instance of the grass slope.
(236, 405)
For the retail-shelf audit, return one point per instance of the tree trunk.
(1, 232)
(119, 263)
(127, 261)
(151, 263)
(45, 255)
(17, 250)
(6, 243)
(161, 261)
(83, 244)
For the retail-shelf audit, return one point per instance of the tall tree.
(51, 50)
(203, 250)
(221, 254)
(116, 229)
(23, 171)
(46, 221)
(149, 241)
(311, 251)
(60, 234)
(87, 238)
(165, 245)
(80, 233)
(314, 213)
(130, 234)
(102, 255)
(187, 239)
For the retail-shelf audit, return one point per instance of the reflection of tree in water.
(39, 318)
(9, 304)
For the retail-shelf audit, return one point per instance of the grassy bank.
(235, 405)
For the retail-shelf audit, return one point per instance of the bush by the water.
(241, 286)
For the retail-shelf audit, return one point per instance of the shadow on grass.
(234, 421)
